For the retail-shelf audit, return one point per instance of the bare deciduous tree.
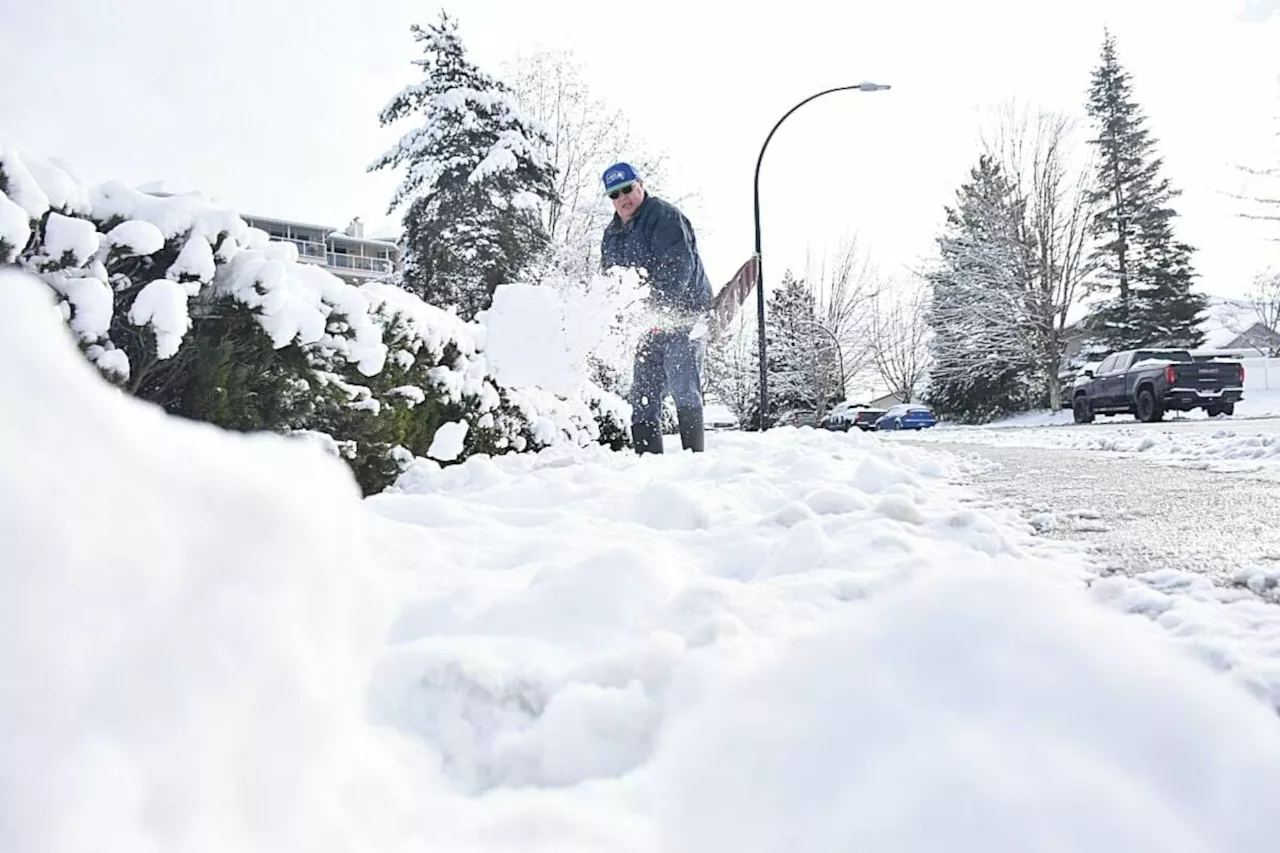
(899, 344)
(1261, 305)
(845, 285)
(1052, 178)
(586, 136)
(732, 372)
(1264, 193)
(822, 363)
(1265, 296)
(1267, 206)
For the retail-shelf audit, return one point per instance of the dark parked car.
(1149, 382)
(865, 419)
(797, 418)
(716, 416)
(850, 414)
(840, 418)
(907, 416)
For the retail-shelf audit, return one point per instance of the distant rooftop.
(1227, 319)
(353, 232)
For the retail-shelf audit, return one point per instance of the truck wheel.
(1148, 409)
(1213, 411)
(1081, 411)
(1228, 408)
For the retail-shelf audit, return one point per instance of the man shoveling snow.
(651, 234)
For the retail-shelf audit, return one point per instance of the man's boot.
(691, 431)
(646, 437)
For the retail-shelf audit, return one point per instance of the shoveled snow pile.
(1235, 628)
(528, 341)
(795, 641)
(1224, 449)
(547, 335)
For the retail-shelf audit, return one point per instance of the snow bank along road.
(795, 641)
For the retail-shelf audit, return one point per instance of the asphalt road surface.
(1134, 515)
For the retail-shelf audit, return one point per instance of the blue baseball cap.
(619, 175)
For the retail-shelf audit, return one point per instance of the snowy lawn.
(802, 641)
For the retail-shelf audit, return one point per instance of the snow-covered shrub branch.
(182, 303)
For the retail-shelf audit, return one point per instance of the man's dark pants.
(667, 361)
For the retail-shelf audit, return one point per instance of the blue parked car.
(907, 416)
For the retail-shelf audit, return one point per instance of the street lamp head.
(871, 87)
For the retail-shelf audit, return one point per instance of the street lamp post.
(764, 369)
(839, 351)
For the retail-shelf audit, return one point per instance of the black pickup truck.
(1147, 383)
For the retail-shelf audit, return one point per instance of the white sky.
(272, 106)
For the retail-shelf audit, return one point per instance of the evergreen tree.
(477, 172)
(980, 359)
(803, 368)
(1151, 272)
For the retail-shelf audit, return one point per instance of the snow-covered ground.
(1248, 442)
(795, 641)
(1257, 404)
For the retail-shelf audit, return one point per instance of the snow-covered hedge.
(182, 303)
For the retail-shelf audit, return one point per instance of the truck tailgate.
(1206, 376)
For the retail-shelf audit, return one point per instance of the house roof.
(276, 220)
(368, 241)
(1226, 320)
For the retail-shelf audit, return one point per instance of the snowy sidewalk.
(796, 641)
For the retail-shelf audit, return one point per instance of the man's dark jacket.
(659, 239)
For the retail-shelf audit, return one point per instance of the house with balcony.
(346, 252)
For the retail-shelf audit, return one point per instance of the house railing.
(338, 260)
(306, 248)
(358, 262)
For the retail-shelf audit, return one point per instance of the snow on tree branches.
(475, 172)
(1263, 187)
(586, 134)
(1036, 152)
(980, 362)
(900, 338)
(801, 355)
(731, 375)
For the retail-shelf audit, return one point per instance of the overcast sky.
(272, 106)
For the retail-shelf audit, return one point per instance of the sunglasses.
(622, 191)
